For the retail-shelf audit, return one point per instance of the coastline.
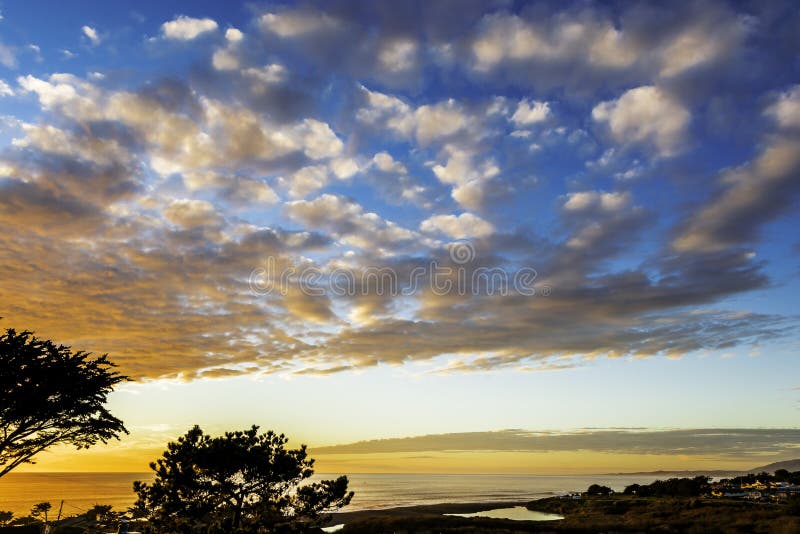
(614, 513)
(425, 510)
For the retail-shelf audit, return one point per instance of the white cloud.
(7, 57)
(595, 41)
(344, 168)
(349, 222)
(786, 109)
(307, 180)
(428, 123)
(189, 213)
(398, 55)
(386, 163)
(469, 178)
(585, 200)
(91, 34)
(295, 23)
(233, 35)
(5, 89)
(646, 115)
(49, 94)
(225, 59)
(185, 28)
(440, 120)
(319, 140)
(718, 34)
(530, 112)
(268, 74)
(461, 226)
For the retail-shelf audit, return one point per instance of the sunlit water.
(20, 491)
(517, 513)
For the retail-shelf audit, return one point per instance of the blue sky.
(163, 164)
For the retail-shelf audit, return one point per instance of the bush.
(597, 489)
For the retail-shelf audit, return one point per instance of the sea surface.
(80, 491)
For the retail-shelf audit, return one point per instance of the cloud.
(234, 188)
(530, 112)
(725, 442)
(646, 115)
(750, 196)
(506, 36)
(427, 123)
(5, 89)
(233, 35)
(307, 180)
(386, 163)
(185, 28)
(461, 226)
(91, 34)
(166, 194)
(587, 47)
(349, 222)
(585, 200)
(189, 213)
(7, 56)
(786, 109)
(399, 55)
(291, 24)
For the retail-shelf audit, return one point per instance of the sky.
(492, 236)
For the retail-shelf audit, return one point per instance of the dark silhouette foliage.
(673, 487)
(597, 489)
(240, 482)
(50, 395)
(41, 509)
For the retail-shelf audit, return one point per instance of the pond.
(517, 513)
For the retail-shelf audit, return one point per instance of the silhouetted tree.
(51, 395)
(240, 482)
(673, 487)
(597, 489)
(5, 517)
(41, 509)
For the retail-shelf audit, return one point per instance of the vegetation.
(240, 482)
(50, 395)
(673, 487)
(597, 489)
(41, 509)
(613, 513)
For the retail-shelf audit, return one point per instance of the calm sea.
(79, 491)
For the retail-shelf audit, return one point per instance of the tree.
(41, 509)
(5, 517)
(51, 395)
(240, 482)
(597, 489)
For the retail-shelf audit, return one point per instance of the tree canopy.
(51, 395)
(673, 487)
(597, 489)
(241, 481)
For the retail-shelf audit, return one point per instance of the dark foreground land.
(615, 513)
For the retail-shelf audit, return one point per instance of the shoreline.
(425, 510)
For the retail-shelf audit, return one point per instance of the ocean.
(80, 491)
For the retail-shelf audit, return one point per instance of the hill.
(789, 465)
